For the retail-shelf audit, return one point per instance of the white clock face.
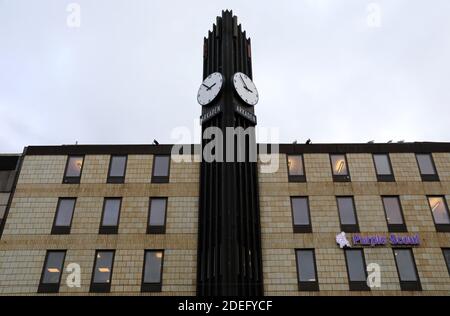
(245, 88)
(210, 88)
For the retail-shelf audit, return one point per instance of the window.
(63, 216)
(347, 214)
(439, 209)
(296, 168)
(383, 167)
(161, 166)
(110, 217)
(446, 252)
(306, 270)
(73, 170)
(300, 215)
(339, 167)
(2, 213)
(117, 167)
(152, 272)
(426, 167)
(51, 272)
(356, 270)
(102, 273)
(157, 216)
(406, 268)
(394, 214)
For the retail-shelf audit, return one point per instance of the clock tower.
(229, 243)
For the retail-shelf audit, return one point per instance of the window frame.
(307, 285)
(384, 177)
(71, 179)
(348, 228)
(157, 229)
(445, 228)
(394, 228)
(51, 287)
(161, 179)
(427, 177)
(117, 179)
(152, 287)
(339, 177)
(296, 178)
(63, 230)
(102, 287)
(301, 228)
(108, 229)
(356, 285)
(408, 285)
(447, 263)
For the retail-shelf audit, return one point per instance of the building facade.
(331, 219)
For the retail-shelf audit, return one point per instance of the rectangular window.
(296, 168)
(51, 271)
(2, 213)
(102, 273)
(152, 272)
(117, 168)
(157, 216)
(63, 216)
(394, 214)
(383, 167)
(161, 167)
(427, 167)
(406, 268)
(339, 167)
(446, 252)
(356, 269)
(74, 166)
(439, 209)
(300, 214)
(347, 214)
(306, 270)
(110, 217)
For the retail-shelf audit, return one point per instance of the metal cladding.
(229, 243)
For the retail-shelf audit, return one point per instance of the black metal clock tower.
(229, 242)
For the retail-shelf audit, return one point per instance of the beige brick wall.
(279, 242)
(139, 169)
(186, 170)
(95, 169)
(26, 237)
(442, 162)
(361, 167)
(42, 169)
(371, 216)
(279, 164)
(280, 274)
(384, 257)
(27, 232)
(20, 271)
(317, 167)
(433, 272)
(405, 167)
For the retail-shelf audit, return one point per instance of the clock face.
(245, 88)
(210, 88)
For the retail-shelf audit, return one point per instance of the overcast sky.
(332, 71)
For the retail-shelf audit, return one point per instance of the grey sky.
(130, 73)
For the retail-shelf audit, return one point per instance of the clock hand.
(209, 88)
(245, 86)
(206, 86)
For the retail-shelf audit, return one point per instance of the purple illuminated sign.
(382, 240)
